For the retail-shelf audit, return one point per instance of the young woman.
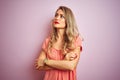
(61, 50)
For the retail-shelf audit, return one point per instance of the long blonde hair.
(71, 30)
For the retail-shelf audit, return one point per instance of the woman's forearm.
(45, 68)
(61, 64)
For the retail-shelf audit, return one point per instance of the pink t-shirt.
(57, 74)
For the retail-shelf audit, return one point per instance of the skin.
(71, 59)
(60, 18)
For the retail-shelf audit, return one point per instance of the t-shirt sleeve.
(78, 43)
(45, 44)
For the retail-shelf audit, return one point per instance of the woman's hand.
(39, 63)
(70, 56)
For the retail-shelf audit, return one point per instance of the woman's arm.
(39, 64)
(45, 68)
(65, 64)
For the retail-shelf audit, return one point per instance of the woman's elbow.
(72, 67)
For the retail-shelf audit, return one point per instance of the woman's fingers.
(36, 64)
(73, 56)
(36, 67)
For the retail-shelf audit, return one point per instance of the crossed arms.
(69, 62)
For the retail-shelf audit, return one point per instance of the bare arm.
(65, 64)
(39, 64)
(45, 68)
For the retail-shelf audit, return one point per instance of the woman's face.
(59, 20)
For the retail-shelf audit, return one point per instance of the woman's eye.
(56, 15)
(61, 16)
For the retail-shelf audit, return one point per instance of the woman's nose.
(57, 17)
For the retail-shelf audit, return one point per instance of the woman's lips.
(56, 22)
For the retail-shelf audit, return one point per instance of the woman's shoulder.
(47, 39)
(78, 38)
(45, 43)
(78, 42)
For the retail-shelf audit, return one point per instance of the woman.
(61, 50)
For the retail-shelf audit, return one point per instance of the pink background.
(24, 24)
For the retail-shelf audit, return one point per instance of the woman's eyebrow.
(60, 14)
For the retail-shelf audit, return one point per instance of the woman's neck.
(60, 33)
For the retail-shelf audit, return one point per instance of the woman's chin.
(58, 27)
